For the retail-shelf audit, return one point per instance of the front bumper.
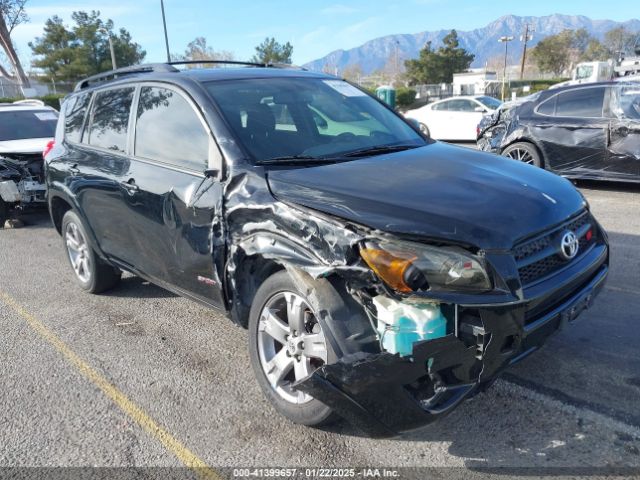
(385, 394)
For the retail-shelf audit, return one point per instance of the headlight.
(408, 267)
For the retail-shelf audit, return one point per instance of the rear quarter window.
(74, 114)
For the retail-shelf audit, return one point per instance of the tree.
(353, 72)
(83, 50)
(271, 51)
(619, 40)
(198, 49)
(438, 66)
(12, 14)
(552, 54)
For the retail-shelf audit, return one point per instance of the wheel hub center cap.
(294, 346)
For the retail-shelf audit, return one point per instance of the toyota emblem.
(569, 245)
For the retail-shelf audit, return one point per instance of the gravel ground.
(573, 404)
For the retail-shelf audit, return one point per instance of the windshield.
(23, 124)
(302, 118)
(584, 71)
(490, 102)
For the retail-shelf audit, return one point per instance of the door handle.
(130, 186)
(74, 170)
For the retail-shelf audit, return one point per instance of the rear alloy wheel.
(92, 273)
(286, 345)
(523, 152)
(424, 130)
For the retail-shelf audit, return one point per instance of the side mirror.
(480, 110)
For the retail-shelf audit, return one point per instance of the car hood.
(26, 145)
(437, 191)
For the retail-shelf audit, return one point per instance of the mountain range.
(483, 42)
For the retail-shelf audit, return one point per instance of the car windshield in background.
(489, 102)
(23, 124)
(296, 119)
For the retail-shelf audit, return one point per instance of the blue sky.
(314, 28)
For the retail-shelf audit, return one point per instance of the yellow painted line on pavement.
(188, 458)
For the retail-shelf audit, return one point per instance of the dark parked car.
(580, 131)
(383, 277)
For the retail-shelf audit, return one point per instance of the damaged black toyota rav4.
(383, 277)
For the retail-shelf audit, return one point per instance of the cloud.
(338, 10)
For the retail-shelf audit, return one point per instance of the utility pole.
(506, 41)
(528, 35)
(113, 53)
(111, 50)
(166, 37)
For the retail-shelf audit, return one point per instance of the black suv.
(383, 277)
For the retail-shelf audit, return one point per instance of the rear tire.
(524, 152)
(4, 212)
(282, 327)
(91, 272)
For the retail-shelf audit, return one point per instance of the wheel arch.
(531, 142)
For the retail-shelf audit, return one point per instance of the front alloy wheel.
(291, 344)
(287, 344)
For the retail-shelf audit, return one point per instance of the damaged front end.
(411, 343)
(21, 183)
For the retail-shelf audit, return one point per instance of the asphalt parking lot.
(141, 377)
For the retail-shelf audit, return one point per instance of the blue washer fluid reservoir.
(400, 325)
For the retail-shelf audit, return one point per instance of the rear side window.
(169, 130)
(75, 111)
(441, 106)
(586, 102)
(110, 119)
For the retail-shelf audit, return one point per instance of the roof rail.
(235, 62)
(168, 68)
(122, 72)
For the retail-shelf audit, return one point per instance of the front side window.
(110, 119)
(22, 124)
(584, 71)
(75, 112)
(307, 117)
(168, 130)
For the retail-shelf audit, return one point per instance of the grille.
(546, 248)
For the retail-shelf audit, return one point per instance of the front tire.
(525, 153)
(286, 344)
(91, 272)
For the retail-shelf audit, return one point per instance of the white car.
(454, 118)
(26, 129)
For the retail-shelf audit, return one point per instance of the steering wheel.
(343, 137)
